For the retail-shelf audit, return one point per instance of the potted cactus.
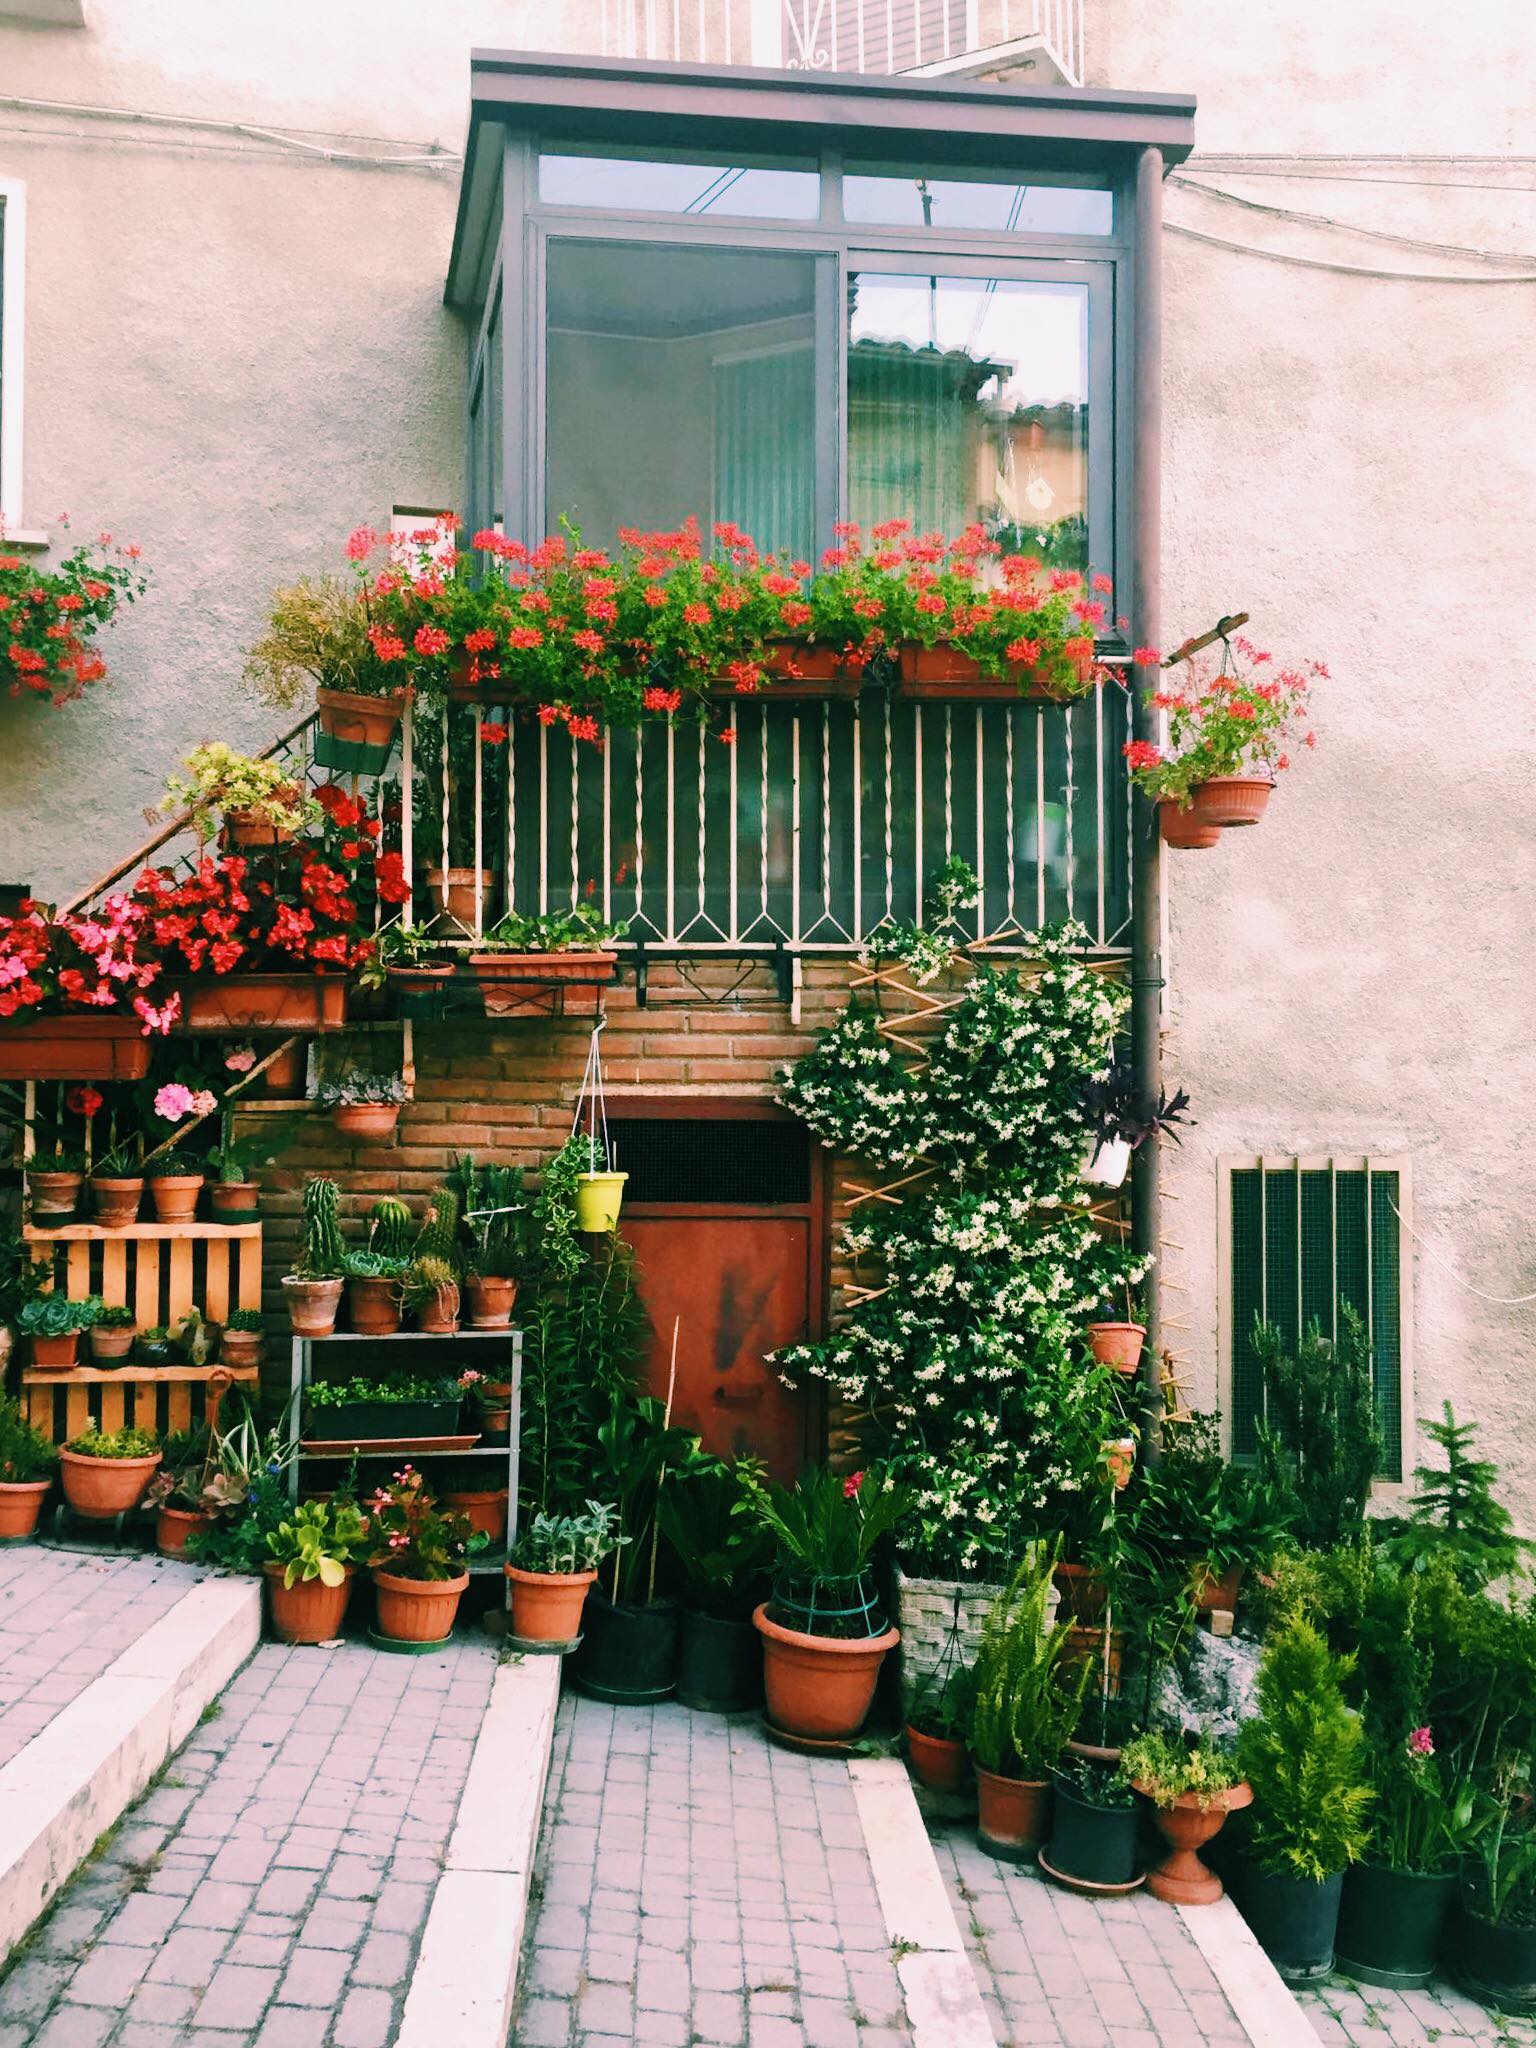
(430, 1286)
(54, 1324)
(240, 1345)
(313, 1289)
(491, 1205)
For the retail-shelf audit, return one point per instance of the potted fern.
(1028, 1697)
(552, 1565)
(313, 1288)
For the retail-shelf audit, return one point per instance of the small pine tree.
(323, 1253)
(1455, 1514)
(1305, 1758)
(1319, 1445)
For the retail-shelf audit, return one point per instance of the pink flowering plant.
(410, 1537)
(48, 616)
(1241, 715)
(104, 960)
(1417, 1822)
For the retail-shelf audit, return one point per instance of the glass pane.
(999, 204)
(652, 185)
(968, 401)
(681, 382)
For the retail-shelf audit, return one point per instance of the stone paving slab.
(1349, 2015)
(64, 1617)
(699, 1888)
(1059, 1971)
(271, 1890)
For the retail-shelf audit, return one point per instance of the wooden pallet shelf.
(144, 1233)
(161, 1398)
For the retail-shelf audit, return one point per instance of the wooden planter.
(505, 979)
(74, 1049)
(262, 1002)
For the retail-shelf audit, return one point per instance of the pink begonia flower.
(241, 1060)
(173, 1102)
(204, 1102)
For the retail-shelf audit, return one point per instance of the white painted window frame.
(13, 204)
(1389, 1492)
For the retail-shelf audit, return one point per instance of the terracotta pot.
(308, 1611)
(56, 1354)
(1182, 829)
(820, 1686)
(111, 1341)
(485, 1511)
(21, 1503)
(439, 1317)
(938, 1761)
(100, 1489)
(240, 1349)
(455, 892)
(74, 1049)
(286, 1075)
(247, 831)
(1083, 1592)
(174, 1525)
(1086, 1646)
(417, 1610)
(420, 977)
(1117, 1345)
(262, 1002)
(1208, 1592)
(1227, 801)
(546, 1606)
(117, 1201)
(312, 1305)
(233, 1201)
(490, 1301)
(495, 1421)
(54, 1195)
(1182, 1879)
(1013, 1813)
(1120, 1461)
(366, 1123)
(175, 1196)
(373, 1305)
(358, 719)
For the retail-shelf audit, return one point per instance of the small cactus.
(439, 1237)
(391, 1232)
(323, 1254)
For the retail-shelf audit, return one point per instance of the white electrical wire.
(433, 156)
(1350, 269)
(1353, 227)
(1499, 1300)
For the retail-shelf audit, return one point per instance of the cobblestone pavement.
(1348, 2015)
(270, 1892)
(1059, 1971)
(63, 1619)
(699, 1886)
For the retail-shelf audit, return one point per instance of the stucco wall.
(233, 354)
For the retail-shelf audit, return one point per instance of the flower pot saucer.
(1085, 1886)
(531, 1646)
(808, 1745)
(400, 1649)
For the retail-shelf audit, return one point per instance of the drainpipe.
(1147, 880)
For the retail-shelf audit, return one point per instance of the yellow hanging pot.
(598, 1200)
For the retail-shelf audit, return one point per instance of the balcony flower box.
(944, 671)
(262, 1002)
(507, 979)
(806, 669)
(88, 1048)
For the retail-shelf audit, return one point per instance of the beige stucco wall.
(234, 354)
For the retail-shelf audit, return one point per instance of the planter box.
(263, 1002)
(366, 1421)
(74, 1049)
(506, 979)
(945, 672)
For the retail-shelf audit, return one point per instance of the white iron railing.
(844, 35)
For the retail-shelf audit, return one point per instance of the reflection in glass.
(681, 381)
(1002, 206)
(651, 185)
(967, 401)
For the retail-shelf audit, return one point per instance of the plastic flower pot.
(485, 1511)
(1108, 1163)
(439, 1314)
(821, 1687)
(1227, 801)
(490, 1301)
(233, 1201)
(1012, 1815)
(941, 1762)
(373, 1305)
(1391, 1923)
(1117, 1345)
(1180, 828)
(101, 1489)
(1207, 1593)
(240, 1349)
(262, 1002)
(309, 1611)
(54, 1196)
(719, 1664)
(811, 670)
(356, 732)
(56, 1354)
(1186, 1826)
(598, 1200)
(628, 1654)
(1093, 1845)
(417, 1610)
(360, 1422)
(1496, 1964)
(366, 1123)
(546, 1606)
(455, 891)
(111, 1343)
(174, 1525)
(1293, 1918)
(175, 1196)
(155, 1351)
(21, 1503)
(507, 979)
(312, 1305)
(116, 1201)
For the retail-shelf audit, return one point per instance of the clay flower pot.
(175, 1196)
(1117, 1345)
(312, 1305)
(439, 1315)
(546, 1606)
(417, 1610)
(495, 1406)
(1013, 1816)
(1227, 801)
(485, 1511)
(174, 1525)
(366, 1123)
(455, 890)
(1186, 1826)
(111, 1342)
(490, 1301)
(247, 831)
(938, 1761)
(117, 1201)
(1181, 828)
(285, 1076)
(240, 1349)
(233, 1201)
(1083, 1592)
(820, 1686)
(309, 1611)
(1207, 1592)
(56, 1354)
(101, 1489)
(21, 1502)
(54, 1195)
(373, 1305)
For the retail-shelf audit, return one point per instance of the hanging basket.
(599, 1197)
(357, 732)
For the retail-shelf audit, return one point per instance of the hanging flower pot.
(419, 977)
(1182, 829)
(491, 1298)
(101, 1489)
(175, 1196)
(1108, 1163)
(373, 1305)
(455, 891)
(21, 1503)
(312, 1305)
(598, 1200)
(356, 731)
(417, 1610)
(1227, 801)
(1117, 1345)
(116, 1199)
(54, 1195)
(1120, 1461)
(308, 1611)
(366, 1123)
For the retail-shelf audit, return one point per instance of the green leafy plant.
(116, 1443)
(322, 1252)
(491, 1209)
(319, 1541)
(580, 928)
(114, 1315)
(557, 1251)
(1028, 1695)
(945, 1708)
(926, 949)
(317, 632)
(218, 778)
(583, 1340)
(52, 1315)
(1456, 1515)
(1319, 1445)
(724, 1551)
(1233, 718)
(568, 1543)
(342, 1393)
(636, 1449)
(1304, 1756)
(410, 1536)
(825, 1529)
(1169, 1769)
(25, 1453)
(235, 1159)
(54, 613)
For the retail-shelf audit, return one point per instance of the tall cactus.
(391, 1232)
(439, 1235)
(323, 1252)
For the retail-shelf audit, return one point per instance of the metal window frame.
(1388, 1491)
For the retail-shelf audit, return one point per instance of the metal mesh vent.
(712, 1159)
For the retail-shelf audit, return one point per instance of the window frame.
(1387, 1491)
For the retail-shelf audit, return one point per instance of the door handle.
(740, 1394)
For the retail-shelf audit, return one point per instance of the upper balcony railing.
(933, 36)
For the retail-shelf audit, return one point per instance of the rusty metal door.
(725, 1215)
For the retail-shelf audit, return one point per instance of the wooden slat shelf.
(179, 1375)
(138, 1233)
